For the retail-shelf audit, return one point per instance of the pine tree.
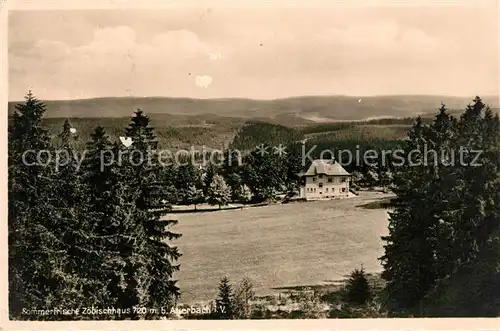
(472, 208)
(470, 227)
(144, 180)
(112, 234)
(409, 259)
(37, 277)
(441, 135)
(76, 225)
(218, 193)
(225, 302)
(357, 288)
(445, 221)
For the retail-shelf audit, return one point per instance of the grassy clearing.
(279, 245)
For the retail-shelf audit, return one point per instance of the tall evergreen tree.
(443, 190)
(115, 226)
(409, 265)
(144, 180)
(76, 224)
(446, 221)
(473, 207)
(37, 276)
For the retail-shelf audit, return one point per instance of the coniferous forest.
(86, 235)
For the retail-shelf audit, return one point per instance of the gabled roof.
(325, 167)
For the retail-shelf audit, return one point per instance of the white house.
(325, 179)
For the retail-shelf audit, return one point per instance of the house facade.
(325, 179)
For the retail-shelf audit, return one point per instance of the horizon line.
(269, 99)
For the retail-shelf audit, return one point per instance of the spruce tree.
(144, 180)
(446, 221)
(115, 226)
(357, 289)
(468, 283)
(225, 304)
(409, 259)
(37, 275)
(76, 224)
(442, 133)
(473, 208)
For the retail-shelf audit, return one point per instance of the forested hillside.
(294, 110)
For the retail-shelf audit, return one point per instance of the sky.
(255, 52)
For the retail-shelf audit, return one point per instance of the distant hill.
(289, 111)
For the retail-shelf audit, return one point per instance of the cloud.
(116, 59)
(203, 81)
(256, 53)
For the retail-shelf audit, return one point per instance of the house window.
(326, 189)
(320, 184)
(333, 189)
(314, 179)
(330, 180)
(320, 176)
(343, 179)
(314, 190)
(344, 189)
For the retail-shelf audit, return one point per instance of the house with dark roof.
(325, 179)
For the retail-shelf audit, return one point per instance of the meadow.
(302, 243)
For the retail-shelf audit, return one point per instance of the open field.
(279, 245)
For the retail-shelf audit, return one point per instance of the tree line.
(90, 237)
(442, 252)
